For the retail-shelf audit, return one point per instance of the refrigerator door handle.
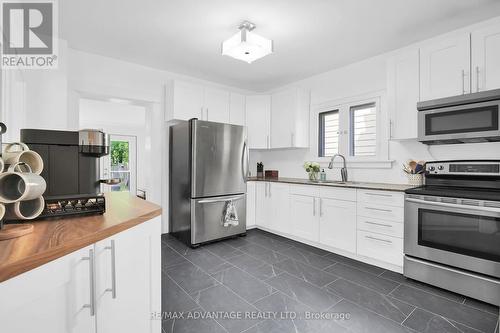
(245, 162)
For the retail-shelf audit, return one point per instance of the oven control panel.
(471, 168)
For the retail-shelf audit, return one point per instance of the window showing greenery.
(119, 153)
(119, 156)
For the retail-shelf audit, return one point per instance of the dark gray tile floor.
(267, 283)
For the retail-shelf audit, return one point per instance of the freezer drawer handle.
(224, 199)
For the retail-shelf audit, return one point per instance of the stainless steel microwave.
(460, 119)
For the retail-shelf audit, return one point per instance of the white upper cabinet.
(486, 58)
(237, 109)
(216, 105)
(290, 119)
(445, 67)
(258, 117)
(185, 101)
(403, 93)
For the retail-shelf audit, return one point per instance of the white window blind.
(329, 133)
(363, 134)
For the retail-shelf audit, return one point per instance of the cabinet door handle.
(379, 224)
(91, 304)
(320, 207)
(379, 209)
(267, 142)
(464, 89)
(292, 139)
(477, 78)
(207, 115)
(270, 190)
(314, 206)
(379, 239)
(390, 129)
(201, 113)
(379, 195)
(113, 269)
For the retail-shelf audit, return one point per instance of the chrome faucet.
(343, 171)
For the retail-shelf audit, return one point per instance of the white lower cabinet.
(305, 217)
(381, 247)
(51, 298)
(363, 224)
(126, 266)
(262, 205)
(74, 293)
(272, 206)
(337, 224)
(250, 204)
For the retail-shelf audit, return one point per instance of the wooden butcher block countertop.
(52, 239)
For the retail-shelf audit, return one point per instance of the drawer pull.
(379, 239)
(379, 195)
(380, 210)
(379, 224)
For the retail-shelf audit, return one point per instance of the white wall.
(362, 78)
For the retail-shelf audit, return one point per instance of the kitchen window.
(352, 129)
(363, 133)
(329, 133)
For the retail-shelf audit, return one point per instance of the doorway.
(120, 163)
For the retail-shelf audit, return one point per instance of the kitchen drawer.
(380, 247)
(347, 194)
(308, 190)
(389, 198)
(381, 212)
(383, 227)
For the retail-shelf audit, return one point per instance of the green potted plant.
(312, 168)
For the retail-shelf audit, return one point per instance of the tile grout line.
(409, 315)
(201, 307)
(333, 264)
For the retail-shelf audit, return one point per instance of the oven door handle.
(443, 204)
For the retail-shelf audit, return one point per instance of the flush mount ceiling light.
(246, 45)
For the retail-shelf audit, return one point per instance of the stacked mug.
(21, 186)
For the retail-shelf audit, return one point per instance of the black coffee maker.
(71, 169)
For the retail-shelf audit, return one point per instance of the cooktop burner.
(457, 192)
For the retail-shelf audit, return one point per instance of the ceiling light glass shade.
(247, 46)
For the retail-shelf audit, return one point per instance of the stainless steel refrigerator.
(208, 174)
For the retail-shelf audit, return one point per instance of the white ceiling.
(310, 36)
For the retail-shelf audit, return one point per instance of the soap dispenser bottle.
(322, 175)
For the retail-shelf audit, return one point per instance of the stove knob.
(440, 167)
(431, 168)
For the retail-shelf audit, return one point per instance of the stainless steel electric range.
(452, 228)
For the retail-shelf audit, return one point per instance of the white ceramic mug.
(2, 211)
(23, 154)
(19, 167)
(16, 186)
(25, 210)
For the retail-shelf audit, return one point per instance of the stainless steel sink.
(333, 182)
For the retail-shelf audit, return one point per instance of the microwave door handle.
(443, 204)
